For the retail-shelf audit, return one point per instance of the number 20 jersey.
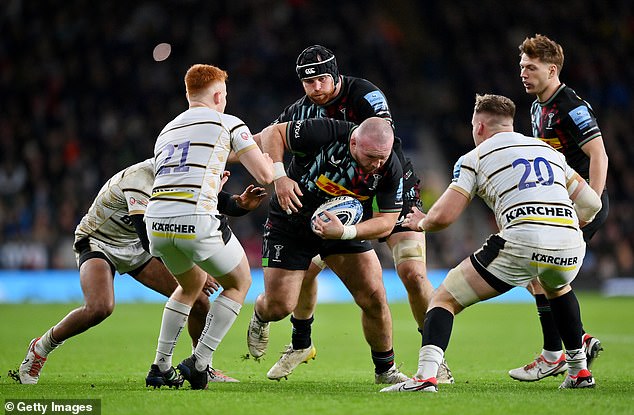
(523, 181)
(190, 155)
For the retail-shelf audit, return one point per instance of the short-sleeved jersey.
(124, 194)
(523, 181)
(357, 101)
(323, 167)
(190, 156)
(566, 122)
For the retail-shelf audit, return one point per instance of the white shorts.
(184, 241)
(124, 258)
(515, 265)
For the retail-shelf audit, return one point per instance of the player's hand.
(251, 197)
(331, 229)
(413, 218)
(288, 194)
(223, 178)
(211, 285)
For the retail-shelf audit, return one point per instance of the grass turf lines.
(110, 361)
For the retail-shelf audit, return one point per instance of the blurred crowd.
(82, 96)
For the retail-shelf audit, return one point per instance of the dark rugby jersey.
(566, 122)
(324, 168)
(358, 100)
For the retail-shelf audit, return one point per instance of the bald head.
(375, 133)
(371, 143)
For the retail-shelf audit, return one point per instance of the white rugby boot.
(257, 337)
(539, 369)
(390, 376)
(290, 359)
(414, 385)
(31, 366)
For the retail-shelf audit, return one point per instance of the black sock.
(568, 317)
(437, 327)
(552, 341)
(301, 332)
(383, 361)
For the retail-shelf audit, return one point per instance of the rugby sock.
(301, 332)
(550, 334)
(551, 356)
(174, 318)
(567, 315)
(576, 360)
(429, 359)
(222, 314)
(437, 327)
(383, 361)
(47, 343)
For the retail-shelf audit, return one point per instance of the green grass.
(110, 361)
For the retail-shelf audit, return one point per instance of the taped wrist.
(349, 232)
(278, 170)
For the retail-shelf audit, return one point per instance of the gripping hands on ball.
(330, 229)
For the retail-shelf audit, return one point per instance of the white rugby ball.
(348, 209)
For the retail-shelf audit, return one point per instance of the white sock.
(174, 318)
(576, 360)
(222, 314)
(429, 359)
(552, 356)
(47, 343)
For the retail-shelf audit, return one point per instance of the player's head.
(206, 85)
(491, 114)
(541, 61)
(371, 143)
(317, 68)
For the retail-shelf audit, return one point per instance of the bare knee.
(98, 312)
(373, 301)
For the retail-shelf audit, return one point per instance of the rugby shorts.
(205, 240)
(504, 264)
(123, 259)
(288, 246)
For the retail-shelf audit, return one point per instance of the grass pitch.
(110, 361)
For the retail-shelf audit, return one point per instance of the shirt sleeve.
(389, 197)
(464, 178)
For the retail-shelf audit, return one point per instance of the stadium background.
(82, 97)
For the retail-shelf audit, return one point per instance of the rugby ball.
(348, 209)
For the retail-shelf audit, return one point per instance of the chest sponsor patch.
(336, 189)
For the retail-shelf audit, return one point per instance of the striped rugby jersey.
(124, 194)
(190, 155)
(523, 181)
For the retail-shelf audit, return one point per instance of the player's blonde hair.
(544, 49)
(200, 76)
(496, 105)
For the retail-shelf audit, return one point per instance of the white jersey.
(124, 194)
(190, 154)
(523, 181)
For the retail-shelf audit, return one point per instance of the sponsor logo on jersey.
(456, 169)
(245, 136)
(333, 161)
(581, 117)
(335, 189)
(556, 214)
(377, 100)
(553, 142)
(298, 126)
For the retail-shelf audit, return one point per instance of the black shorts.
(289, 246)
